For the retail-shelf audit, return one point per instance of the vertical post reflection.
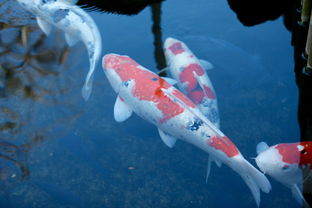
(156, 29)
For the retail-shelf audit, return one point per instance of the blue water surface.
(78, 156)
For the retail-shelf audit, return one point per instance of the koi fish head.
(116, 68)
(284, 162)
(270, 161)
(174, 47)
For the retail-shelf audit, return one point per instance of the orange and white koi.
(154, 99)
(290, 164)
(192, 78)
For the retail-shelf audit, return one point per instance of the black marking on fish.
(303, 152)
(154, 78)
(117, 6)
(204, 134)
(194, 126)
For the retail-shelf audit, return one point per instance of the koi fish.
(154, 99)
(192, 79)
(290, 164)
(76, 24)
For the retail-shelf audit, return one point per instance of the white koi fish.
(177, 117)
(290, 164)
(76, 24)
(192, 79)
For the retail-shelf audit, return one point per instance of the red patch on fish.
(176, 48)
(193, 90)
(223, 144)
(196, 96)
(292, 154)
(148, 86)
(209, 93)
(188, 76)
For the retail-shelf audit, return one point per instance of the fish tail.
(87, 87)
(255, 180)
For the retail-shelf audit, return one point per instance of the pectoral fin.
(71, 39)
(210, 160)
(121, 110)
(44, 26)
(167, 139)
(170, 80)
(261, 147)
(206, 64)
(208, 168)
(163, 70)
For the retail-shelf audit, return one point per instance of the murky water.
(59, 151)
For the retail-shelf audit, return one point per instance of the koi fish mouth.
(169, 41)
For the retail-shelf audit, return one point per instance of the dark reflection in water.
(158, 43)
(252, 13)
(131, 8)
(118, 6)
(30, 66)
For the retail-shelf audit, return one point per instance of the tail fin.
(255, 180)
(87, 87)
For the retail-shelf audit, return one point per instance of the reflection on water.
(30, 81)
(126, 165)
(12, 14)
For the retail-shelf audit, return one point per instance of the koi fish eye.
(304, 152)
(126, 83)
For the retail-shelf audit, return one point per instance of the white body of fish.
(158, 102)
(76, 24)
(192, 78)
(290, 164)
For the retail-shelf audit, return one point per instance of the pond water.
(59, 151)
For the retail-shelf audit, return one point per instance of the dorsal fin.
(261, 147)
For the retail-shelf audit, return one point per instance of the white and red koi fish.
(290, 164)
(190, 73)
(177, 117)
(76, 24)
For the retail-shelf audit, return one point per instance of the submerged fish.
(290, 164)
(76, 24)
(190, 73)
(177, 117)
